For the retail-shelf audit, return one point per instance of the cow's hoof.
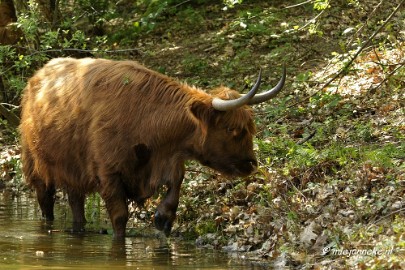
(163, 224)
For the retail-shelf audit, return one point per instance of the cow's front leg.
(113, 194)
(166, 210)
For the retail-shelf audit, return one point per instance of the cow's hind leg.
(46, 198)
(45, 193)
(76, 202)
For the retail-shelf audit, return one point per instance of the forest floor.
(330, 193)
(331, 185)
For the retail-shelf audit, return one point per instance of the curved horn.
(226, 105)
(259, 98)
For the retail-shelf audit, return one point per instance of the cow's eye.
(234, 132)
(230, 130)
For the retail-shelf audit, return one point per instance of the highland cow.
(120, 129)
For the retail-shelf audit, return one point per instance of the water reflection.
(26, 242)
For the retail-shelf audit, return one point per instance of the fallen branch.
(386, 216)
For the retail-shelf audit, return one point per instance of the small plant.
(93, 206)
(194, 64)
(206, 226)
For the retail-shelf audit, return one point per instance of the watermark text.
(357, 251)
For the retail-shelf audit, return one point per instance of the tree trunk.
(20, 6)
(9, 34)
(7, 12)
(50, 11)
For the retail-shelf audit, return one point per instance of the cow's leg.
(45, 193)
(76, 202)
(113, 194)
(46, 198)
(166, 210)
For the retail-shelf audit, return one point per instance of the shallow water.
(27, 242)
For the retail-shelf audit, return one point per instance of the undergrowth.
(331, 152)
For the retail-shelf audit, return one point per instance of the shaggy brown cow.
(120, 129)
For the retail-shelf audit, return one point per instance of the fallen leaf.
(308, 235)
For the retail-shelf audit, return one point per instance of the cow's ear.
(202, 111)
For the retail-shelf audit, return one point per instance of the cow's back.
(67, 112)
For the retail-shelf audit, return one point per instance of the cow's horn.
(226, 105)
(259, 98)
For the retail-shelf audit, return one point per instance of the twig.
(312, 20)
(9, 105)
(179, 4)
(377, 56)
(310, 136)
(299, 4)
(343, 69)
(197, 171)
(296, 189)
(85, 51)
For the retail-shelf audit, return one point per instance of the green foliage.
(194, 64)
(205, 227)
(387, 156)
(156, 11)
(38, 45)
(93, 207)
(95, 10)
(321, 4)
(232, 3)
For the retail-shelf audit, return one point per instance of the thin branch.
(313, 19)
(85, 51)
(299, 4)
(310, 136)
(179, 4)
(384, 217)
(12, 106)
(377, 56)
(296, 189)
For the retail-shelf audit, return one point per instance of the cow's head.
(227, 128)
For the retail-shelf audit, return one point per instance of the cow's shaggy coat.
(120, 129)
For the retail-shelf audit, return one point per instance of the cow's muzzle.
(163, 223)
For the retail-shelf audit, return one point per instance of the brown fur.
(115, 127)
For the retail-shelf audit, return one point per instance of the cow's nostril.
(253, 162)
